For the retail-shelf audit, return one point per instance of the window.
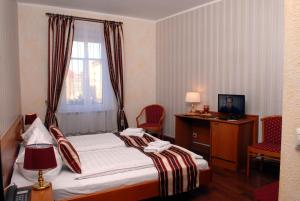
(84, 77)
(87, 86)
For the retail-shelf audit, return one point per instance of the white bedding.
(111, 161)
(101, 168)
(95, 141)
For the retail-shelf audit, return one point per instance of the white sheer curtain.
(87, 102)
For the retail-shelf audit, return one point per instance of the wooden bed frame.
(9, 145)
(139, 191)
(9, 149)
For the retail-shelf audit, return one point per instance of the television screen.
(231, 104)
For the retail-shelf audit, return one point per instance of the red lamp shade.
(39, 157)
(29, 118)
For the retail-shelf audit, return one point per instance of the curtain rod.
(83, 18)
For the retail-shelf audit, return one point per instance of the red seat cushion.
(147, 125)
(268, 147)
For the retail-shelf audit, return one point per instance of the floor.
(230, 186)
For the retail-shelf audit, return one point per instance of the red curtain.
(60, 40)
(113, 34)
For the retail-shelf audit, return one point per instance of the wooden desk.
(225, 142)
(42, 195)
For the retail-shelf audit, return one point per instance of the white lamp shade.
(192, 97)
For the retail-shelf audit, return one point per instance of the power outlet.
(195, 135)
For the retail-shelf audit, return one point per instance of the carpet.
(267, 193)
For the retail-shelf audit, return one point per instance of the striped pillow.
(55, 132)
(69, 155)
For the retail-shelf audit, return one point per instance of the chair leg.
(160, 133)
(248, 164)
(261, 165)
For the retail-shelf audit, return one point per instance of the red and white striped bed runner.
(176, 168)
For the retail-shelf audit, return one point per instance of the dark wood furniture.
(224, 142)
(270, 146)
(42, 195)
(9, 148)
(151, 119)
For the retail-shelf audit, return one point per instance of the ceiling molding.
(188, 10)
(88, 11)
(153, 10)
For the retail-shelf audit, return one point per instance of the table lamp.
(29, 118)
(192, 97)
(40, 157)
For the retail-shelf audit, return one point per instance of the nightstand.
(42, 195)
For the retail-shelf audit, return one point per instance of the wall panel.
(10, 103)
(230, 46)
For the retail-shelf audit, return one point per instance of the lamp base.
(37, 187)
(42, 184)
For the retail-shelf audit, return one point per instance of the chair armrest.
(138, 117)
(161, 120)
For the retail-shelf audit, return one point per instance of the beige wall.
(140, 58)
(229, 46)
(290, 157)
(9, 65)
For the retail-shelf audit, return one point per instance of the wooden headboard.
(9, 143)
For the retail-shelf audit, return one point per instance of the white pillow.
(37, 138)
(37, 133)
(26, 135)
(32, 175)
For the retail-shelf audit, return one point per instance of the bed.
(137, 184)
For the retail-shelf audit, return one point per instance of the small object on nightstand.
(14, 193)
(23, 194)
(206, 109)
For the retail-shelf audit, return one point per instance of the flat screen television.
(231, 106)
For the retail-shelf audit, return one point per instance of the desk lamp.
(192, 97)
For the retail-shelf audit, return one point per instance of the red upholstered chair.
(151, 119)
(270, 146)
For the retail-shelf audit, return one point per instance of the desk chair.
(153, 116)
(270, 146)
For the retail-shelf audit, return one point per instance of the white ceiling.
(146, 9)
